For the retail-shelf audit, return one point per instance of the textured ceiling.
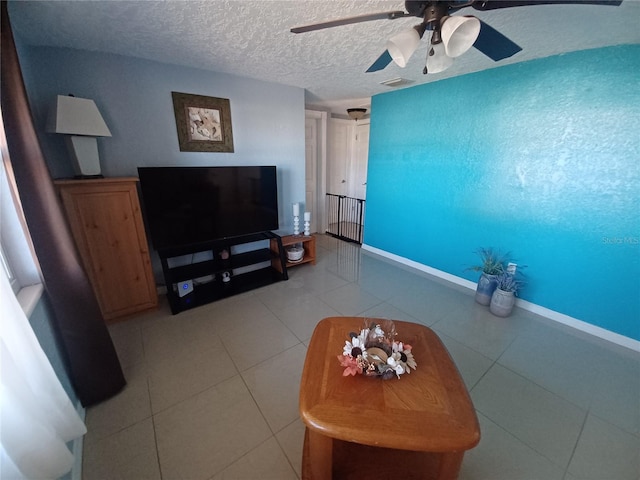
(251, 38)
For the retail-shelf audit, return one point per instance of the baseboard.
(594, 330)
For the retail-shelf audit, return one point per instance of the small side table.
(308, 244)
(361, 427)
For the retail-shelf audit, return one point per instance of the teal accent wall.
(541, 159)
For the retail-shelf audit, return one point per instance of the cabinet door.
(106, 222)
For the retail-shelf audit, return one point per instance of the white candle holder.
(296, 225)
(296, 219)
(307, 223)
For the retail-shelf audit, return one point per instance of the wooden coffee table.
(417, 426)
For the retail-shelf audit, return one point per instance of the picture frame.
(203, 123)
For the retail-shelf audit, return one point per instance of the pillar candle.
(296, 210)
(307, 216)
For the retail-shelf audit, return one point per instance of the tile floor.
(213, 392)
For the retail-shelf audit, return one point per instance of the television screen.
(185, 206)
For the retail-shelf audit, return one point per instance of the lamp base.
(87, 177)
(84, 151)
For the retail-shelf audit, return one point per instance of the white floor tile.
(177, 378)
(128, 454)
(501, 456)
(553, 403)
(561, 363)
(265, 462)
(275, 386)
(256, 338)
(350, 300)
(605, 452)
(480, 330)
(205, 434)
(545, 422)
(387, 311)
(291, 439)
(471, 365)
(127, 408)
(301, 313)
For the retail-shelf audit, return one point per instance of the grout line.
(255, 401)
(575, 447)
(283, 449)
(155, 440)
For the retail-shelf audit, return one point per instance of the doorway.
(316, 167)
(347, 160)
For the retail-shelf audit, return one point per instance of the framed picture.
(203, 123)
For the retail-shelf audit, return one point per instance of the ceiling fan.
(450, 36)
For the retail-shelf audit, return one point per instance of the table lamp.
(80, 121)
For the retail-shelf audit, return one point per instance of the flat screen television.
(186, 206)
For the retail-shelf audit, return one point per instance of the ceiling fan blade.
(495, 4)
(381, 63)
(494, 44)
(349, 20)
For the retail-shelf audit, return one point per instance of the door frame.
(321, 119)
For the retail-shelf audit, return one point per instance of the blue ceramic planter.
(486, 286)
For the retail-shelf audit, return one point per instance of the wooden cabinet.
(106, 223)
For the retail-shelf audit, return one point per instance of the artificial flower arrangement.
(375, 352)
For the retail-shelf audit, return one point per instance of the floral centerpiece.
(375, 352)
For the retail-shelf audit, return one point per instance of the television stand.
(221, 268)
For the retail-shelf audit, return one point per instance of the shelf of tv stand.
(308, 244)
(216, 289)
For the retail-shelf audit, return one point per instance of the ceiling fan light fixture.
(356, 113)
(404, 44)
(459, 33)
(437, 59)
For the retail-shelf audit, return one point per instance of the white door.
(360, 161)
(311, 171)
(339, 159)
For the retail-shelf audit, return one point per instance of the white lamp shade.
(439, 61)
(459, 34)
(402, 46)
(77, 116)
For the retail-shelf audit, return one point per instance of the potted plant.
(493, 263)
(504, 296)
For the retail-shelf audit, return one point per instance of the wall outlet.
(185, 288)
(511, 268)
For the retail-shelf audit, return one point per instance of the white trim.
(28, 297)
(525, 305)
(423, 268)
